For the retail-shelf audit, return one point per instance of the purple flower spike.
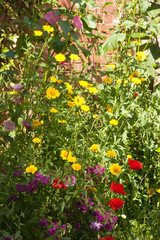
(9, 126)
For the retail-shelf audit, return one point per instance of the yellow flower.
(60, 57)
(141, 56)
(70, 104)
(85, 108)
(91, 189)
(53, 110)
(93, 90)
(31, 169)
(115, 169)
(109, 109)
(76, 166)
(83, 84)
(53, 79)
(78, 100)
(74, 57)
(36, 140)
(111, 66)
(125, 82)
(52, 93)
(129, 156)
(48, 28)
(62, 121)
(111, 154)
(151, 192)
(70, 158)
(69, 88)
(37, 123)
(119, 81)
(136, 80)
(135, 42)
(94, 148)
(143, 79)
(14, 93)
(64, 155)
(38, 33)
(108, 80)
(113, 122)
(158, 190)
(134, 74)
(95, 116)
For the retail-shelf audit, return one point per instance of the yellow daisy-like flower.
(118, 81)
(14, 93)
(115, 169)
(113, 122)
(38, 33)
(91, 189)
(62, 121)
(69, 88)
(76, 166)
(111, 66)
(52, 93)
(135, 42)
(70, 158)
(36, 140)
(158, 190)
(64, 154)
(93, 90)
(31, 169)
(136, 80)
(111, 154)
(107, 80)
(78, 100)
(74, 57)
(95, 116)
(151, 192)
(134, 74)
(70, 104)
(109, 109)
(129, 156)
(37, 123)
(141, 56)
(85, 108)
(53, 79)
(60, 57)
(94, 148)
(53, 110)
(83, 84)
(48, 28)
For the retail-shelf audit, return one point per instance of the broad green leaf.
(112, 42)
(10, 54)
(154, 13)
(158, 150)
(90, 20)
(143, 5)
(129, 23)
(138, 35)
(65, 26)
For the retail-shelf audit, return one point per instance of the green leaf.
(65, 26)
(143, 5)
(112, 41)
(62, 206)
(158, 150)
(154, 13)
(138, 35)
(10, 54)
(90, 20)
(107, 3)
(129, 23)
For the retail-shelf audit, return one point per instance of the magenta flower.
(9, 126)
(77, 22)
(73, 181)
(17, 87)
(26, 124)
(51, 17)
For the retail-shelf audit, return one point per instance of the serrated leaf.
(112, 41)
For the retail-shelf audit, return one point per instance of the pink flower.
(63, 63)
(18, 100)
(51, 17)
(9, 126)
(26, 124)
(18, 87)
(77, 22)
(73, 181)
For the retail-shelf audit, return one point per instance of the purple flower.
(9, 126)
(43, 179)
(110, 224)
(26, 124)
(16, 172)
(77, 22)
(96, 225)
(18, 100)
(81, 206)
(76, 225)
(63, 226)
(52, 231)
(32, 186)
(73, 181)
(14, 198)
(18, 87)
(51, 17)
(44, 223)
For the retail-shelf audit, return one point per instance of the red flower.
(116, 203)
(3, 118)
(107, 238)
(134, 165)
(117, 187)
(60, 185)
(135, 95)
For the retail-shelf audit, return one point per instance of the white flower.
(123, 216)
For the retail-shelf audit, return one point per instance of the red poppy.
(117, 187)
(61, 184)
(134, 165)
(107, 238)
(115, 203)
(135, 95)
